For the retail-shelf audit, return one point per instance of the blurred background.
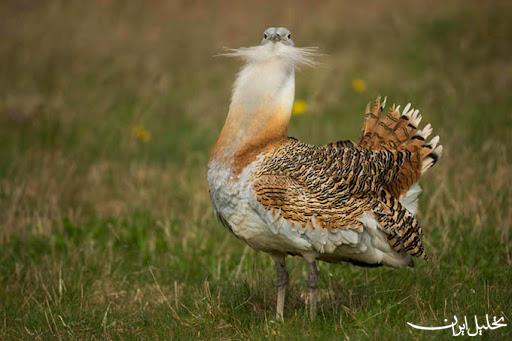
(108, 110)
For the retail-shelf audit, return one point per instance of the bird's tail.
(398, 130)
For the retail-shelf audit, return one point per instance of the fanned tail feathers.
(398, 130)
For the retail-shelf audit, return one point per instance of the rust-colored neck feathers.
(259, 113)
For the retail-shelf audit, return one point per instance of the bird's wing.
(332, 187)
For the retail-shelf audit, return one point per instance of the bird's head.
(277, 44)
(274, 35)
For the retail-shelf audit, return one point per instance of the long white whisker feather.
(297, 55)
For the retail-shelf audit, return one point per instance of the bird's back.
(347, 186)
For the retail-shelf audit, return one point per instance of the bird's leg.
(312, 283)
(282, 282)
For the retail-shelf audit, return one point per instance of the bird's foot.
(282, 283)
(312, 283)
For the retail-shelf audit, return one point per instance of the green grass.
(104, 236)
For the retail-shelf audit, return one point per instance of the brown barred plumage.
(332, 186)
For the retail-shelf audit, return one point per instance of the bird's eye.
(289, 35)
(265, 36)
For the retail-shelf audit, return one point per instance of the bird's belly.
(239, 216)
(235, 203)
(264, 237)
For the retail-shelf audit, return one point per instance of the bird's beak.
(275, 37)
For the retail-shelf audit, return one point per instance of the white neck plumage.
(262, 98)
(263, 88)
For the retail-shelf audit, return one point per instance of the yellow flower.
(299, 107)
(141, 134)
(359, 85)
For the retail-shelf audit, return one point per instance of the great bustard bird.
(342, 202)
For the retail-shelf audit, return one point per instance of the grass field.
(107, 115)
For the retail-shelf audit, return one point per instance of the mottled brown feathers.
(332, 186)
